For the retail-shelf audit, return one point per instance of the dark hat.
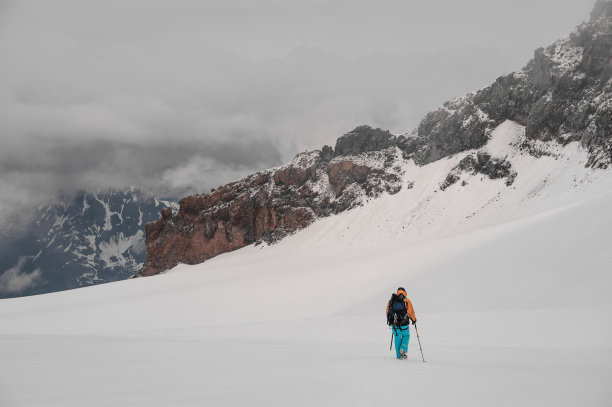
(401, 288)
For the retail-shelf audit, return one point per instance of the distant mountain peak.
(83, 238)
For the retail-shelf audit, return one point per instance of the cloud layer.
(14, 280)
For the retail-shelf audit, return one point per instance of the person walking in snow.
(399, 315)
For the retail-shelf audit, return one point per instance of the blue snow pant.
(402, 336)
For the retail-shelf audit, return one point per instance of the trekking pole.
(417, 332)
(391, 344)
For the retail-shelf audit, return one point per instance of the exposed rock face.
(362, 139)
(481, 163)
(293, 175)
(563, 94)
(457, 126)
(269, 205)
(229, 218)
(344, 173)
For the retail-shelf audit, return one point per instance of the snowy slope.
(510, 285)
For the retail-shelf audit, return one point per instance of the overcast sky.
(178, 96)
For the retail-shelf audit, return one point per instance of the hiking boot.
(403, 355)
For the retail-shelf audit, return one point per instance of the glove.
(414, 321)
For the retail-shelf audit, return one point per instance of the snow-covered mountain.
(82, 239)
(563, 95)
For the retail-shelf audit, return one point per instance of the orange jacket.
(407, 303)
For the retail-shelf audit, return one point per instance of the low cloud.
(15, 281)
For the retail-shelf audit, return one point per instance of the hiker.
(399, 315)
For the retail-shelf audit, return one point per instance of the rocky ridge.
(481, 163)
(271, 204)
(563, 94)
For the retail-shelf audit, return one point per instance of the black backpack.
(397, 311)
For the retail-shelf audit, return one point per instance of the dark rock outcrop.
(455, 127)
(481, 163)
(563, 94)
(363, 139)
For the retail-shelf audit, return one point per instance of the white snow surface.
(511, 288)
(112, 252)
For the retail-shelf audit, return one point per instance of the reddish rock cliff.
(272, 204)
